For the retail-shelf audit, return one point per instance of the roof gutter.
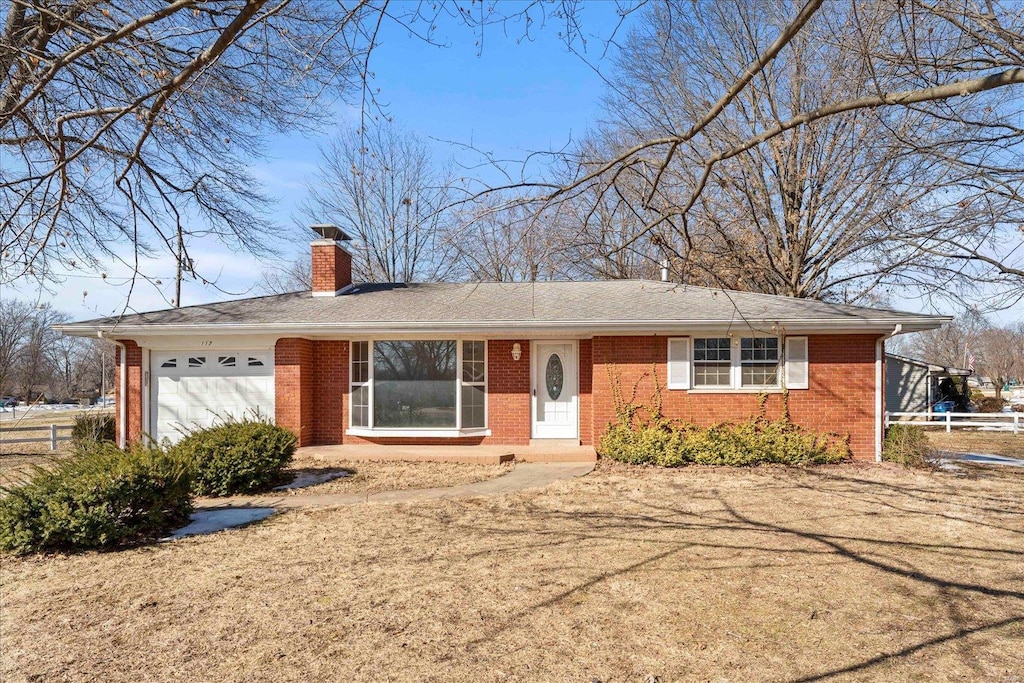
(880, 390)
(514, 327)
(122, 396)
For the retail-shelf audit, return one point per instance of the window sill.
(418, 433)
(744, 390)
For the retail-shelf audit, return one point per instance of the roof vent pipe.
(664, 270)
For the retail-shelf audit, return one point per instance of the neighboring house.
(497, 363)
(914, 386)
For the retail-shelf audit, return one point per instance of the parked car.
(8, 401)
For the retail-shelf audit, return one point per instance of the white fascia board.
(520, 329)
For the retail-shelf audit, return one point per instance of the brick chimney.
(332, 263)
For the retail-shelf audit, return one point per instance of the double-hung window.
(759, 362)
(712, 362)
(360, 384)
(731, 363)
(473, 388)
(437, 385)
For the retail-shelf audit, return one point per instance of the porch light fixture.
(517, 351)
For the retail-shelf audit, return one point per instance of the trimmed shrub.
(755, 442)
(906, 445)
(237, 457)
(643, 436)
(101, 496)
(92, 428)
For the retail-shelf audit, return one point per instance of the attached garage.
(196, 389)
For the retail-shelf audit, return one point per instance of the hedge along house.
(497, 363)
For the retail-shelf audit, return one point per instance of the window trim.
(735, 365)
(368, 383)
(694, 364)
(779, 364)
(460, 383)
(458, 431)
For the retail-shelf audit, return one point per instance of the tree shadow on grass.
(677, 530)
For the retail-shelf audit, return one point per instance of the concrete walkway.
(981, 459)
(524, 476)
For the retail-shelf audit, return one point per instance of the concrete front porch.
(481, 455)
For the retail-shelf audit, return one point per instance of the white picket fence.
(53, 438)
(1001, 421)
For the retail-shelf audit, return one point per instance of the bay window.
(418, 385)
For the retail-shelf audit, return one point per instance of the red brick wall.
(330, 381)
(293, 388)
(508, 392)
(840, 399)
(586, 398)
(133, 409)
(332, 268)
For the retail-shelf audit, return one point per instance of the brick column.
(508, 392)
(293, 387)
(133, 399)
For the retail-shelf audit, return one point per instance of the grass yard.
(372, 477)
(836, 573)
(969, 441)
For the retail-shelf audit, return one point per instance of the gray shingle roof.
(618, 305)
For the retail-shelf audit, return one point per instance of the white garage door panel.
(194, 389)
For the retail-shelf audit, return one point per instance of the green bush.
(101, 496)
(906, 445)
(92, 428)
(755, 442)
(237, 457)
(643, 436)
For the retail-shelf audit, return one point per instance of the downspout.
(122, 404)
(880, 390)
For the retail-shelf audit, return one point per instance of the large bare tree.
(381, 184)
(128, 129)
(124, 125)
(15, 320)
(803, 175)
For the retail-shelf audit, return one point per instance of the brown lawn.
(965, 441)
(839, 573)
(371, 477)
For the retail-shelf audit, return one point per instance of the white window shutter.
(679, 363)
(796, 363)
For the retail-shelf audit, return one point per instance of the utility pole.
(177, 278)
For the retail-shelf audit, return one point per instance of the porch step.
(548, 453)
(481, 455)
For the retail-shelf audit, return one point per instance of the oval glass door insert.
(554, 377)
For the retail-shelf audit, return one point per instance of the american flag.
(970, 362)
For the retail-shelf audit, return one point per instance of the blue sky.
(509, 97)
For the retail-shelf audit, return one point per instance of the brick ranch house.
(496, 363)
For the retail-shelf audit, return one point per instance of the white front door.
(555, 389)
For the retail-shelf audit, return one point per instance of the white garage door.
(201, 388)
